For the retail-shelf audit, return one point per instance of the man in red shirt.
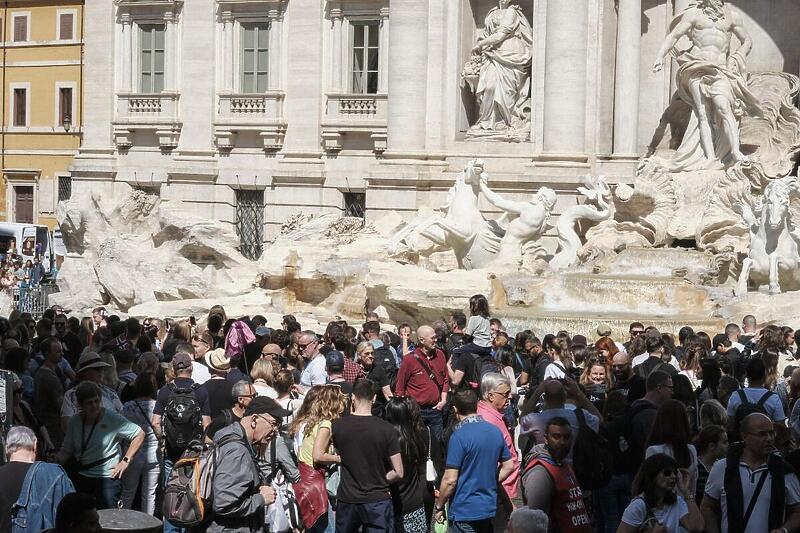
(423, 376)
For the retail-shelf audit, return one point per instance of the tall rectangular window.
(255, 57)
(64, 188)
(250, 222)
(365, 57)
(151, 58)
(64, 105)
(20, 28)
(20, 107)
(65, 26)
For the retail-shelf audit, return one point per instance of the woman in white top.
(143, 471)
(690, 366)
(288, 397)
(478, 326)
(671, 435)
(658, 502)
(561, 355)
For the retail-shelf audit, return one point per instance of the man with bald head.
(423, 376)
(752, 490)
(628, 382)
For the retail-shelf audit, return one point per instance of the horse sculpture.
(773, 256)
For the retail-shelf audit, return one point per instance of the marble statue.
(774, 236)
(528, 222)
(499, 74)
(711, 78)
(458, 222)
(598, 207)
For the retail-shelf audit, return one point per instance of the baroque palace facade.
(250, 111)
(42, 79)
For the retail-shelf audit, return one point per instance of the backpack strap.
(764, 398)
(742, 397)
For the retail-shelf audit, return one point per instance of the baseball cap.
(334, 360)
(181, 361)
(261, 404)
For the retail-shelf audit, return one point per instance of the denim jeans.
(104, 489)
(433, 419)
(471, 526)
(612, 500)
(168, 462)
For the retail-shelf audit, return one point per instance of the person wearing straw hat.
(218, 386)
(90, 368)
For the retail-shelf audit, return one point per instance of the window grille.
(250, 222)
(355, 204)
(64, 188)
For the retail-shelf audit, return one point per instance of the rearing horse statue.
(773, 256)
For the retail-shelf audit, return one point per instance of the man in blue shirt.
(471, 475)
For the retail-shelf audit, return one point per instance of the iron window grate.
(250, 222)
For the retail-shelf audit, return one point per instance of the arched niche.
(473, 15)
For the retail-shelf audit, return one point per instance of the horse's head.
(776, 203)
(473, 171)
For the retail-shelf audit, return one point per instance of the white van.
(29, 240)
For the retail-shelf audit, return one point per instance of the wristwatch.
(125, 460)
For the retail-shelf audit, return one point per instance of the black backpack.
(746, 407)
(385, 358)
(182, 417)
(482, 365)
(592, 458)
(619, 433)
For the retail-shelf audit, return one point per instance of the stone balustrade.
(141, 112)
(261, 113)
(355, 113)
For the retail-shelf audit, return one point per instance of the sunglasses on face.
(637, 332)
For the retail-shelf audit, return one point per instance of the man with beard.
(631, 384)
(711, 78)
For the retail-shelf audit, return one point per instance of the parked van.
(29, 241)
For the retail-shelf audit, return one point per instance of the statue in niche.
(499, 75)
(712, 79)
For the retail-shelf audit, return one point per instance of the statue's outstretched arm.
(501, 203)
(681, 28)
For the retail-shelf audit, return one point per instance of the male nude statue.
(529, 219)
(711, 79)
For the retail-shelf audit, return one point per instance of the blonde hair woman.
(262, 374)
(323, 404)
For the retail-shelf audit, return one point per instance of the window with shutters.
(20, 106)
(21, 27)
(365, 57)
(254, 59)
(65, 29)
(151, 58)
(65, 106)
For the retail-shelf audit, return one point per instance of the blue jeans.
(105, 490)
(612, 500)
(471, 526)
(168, 462)
(377, 517)
(433, 419)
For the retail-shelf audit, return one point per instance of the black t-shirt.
(365, 444)
(377, 375)
(407, 494)
(219, 395)
(633, 388)
(13, 475)
(72, 347)
(653, 363)
(222, 420)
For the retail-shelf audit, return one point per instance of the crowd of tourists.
(459, 425)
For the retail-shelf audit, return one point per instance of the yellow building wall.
(38, 154)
